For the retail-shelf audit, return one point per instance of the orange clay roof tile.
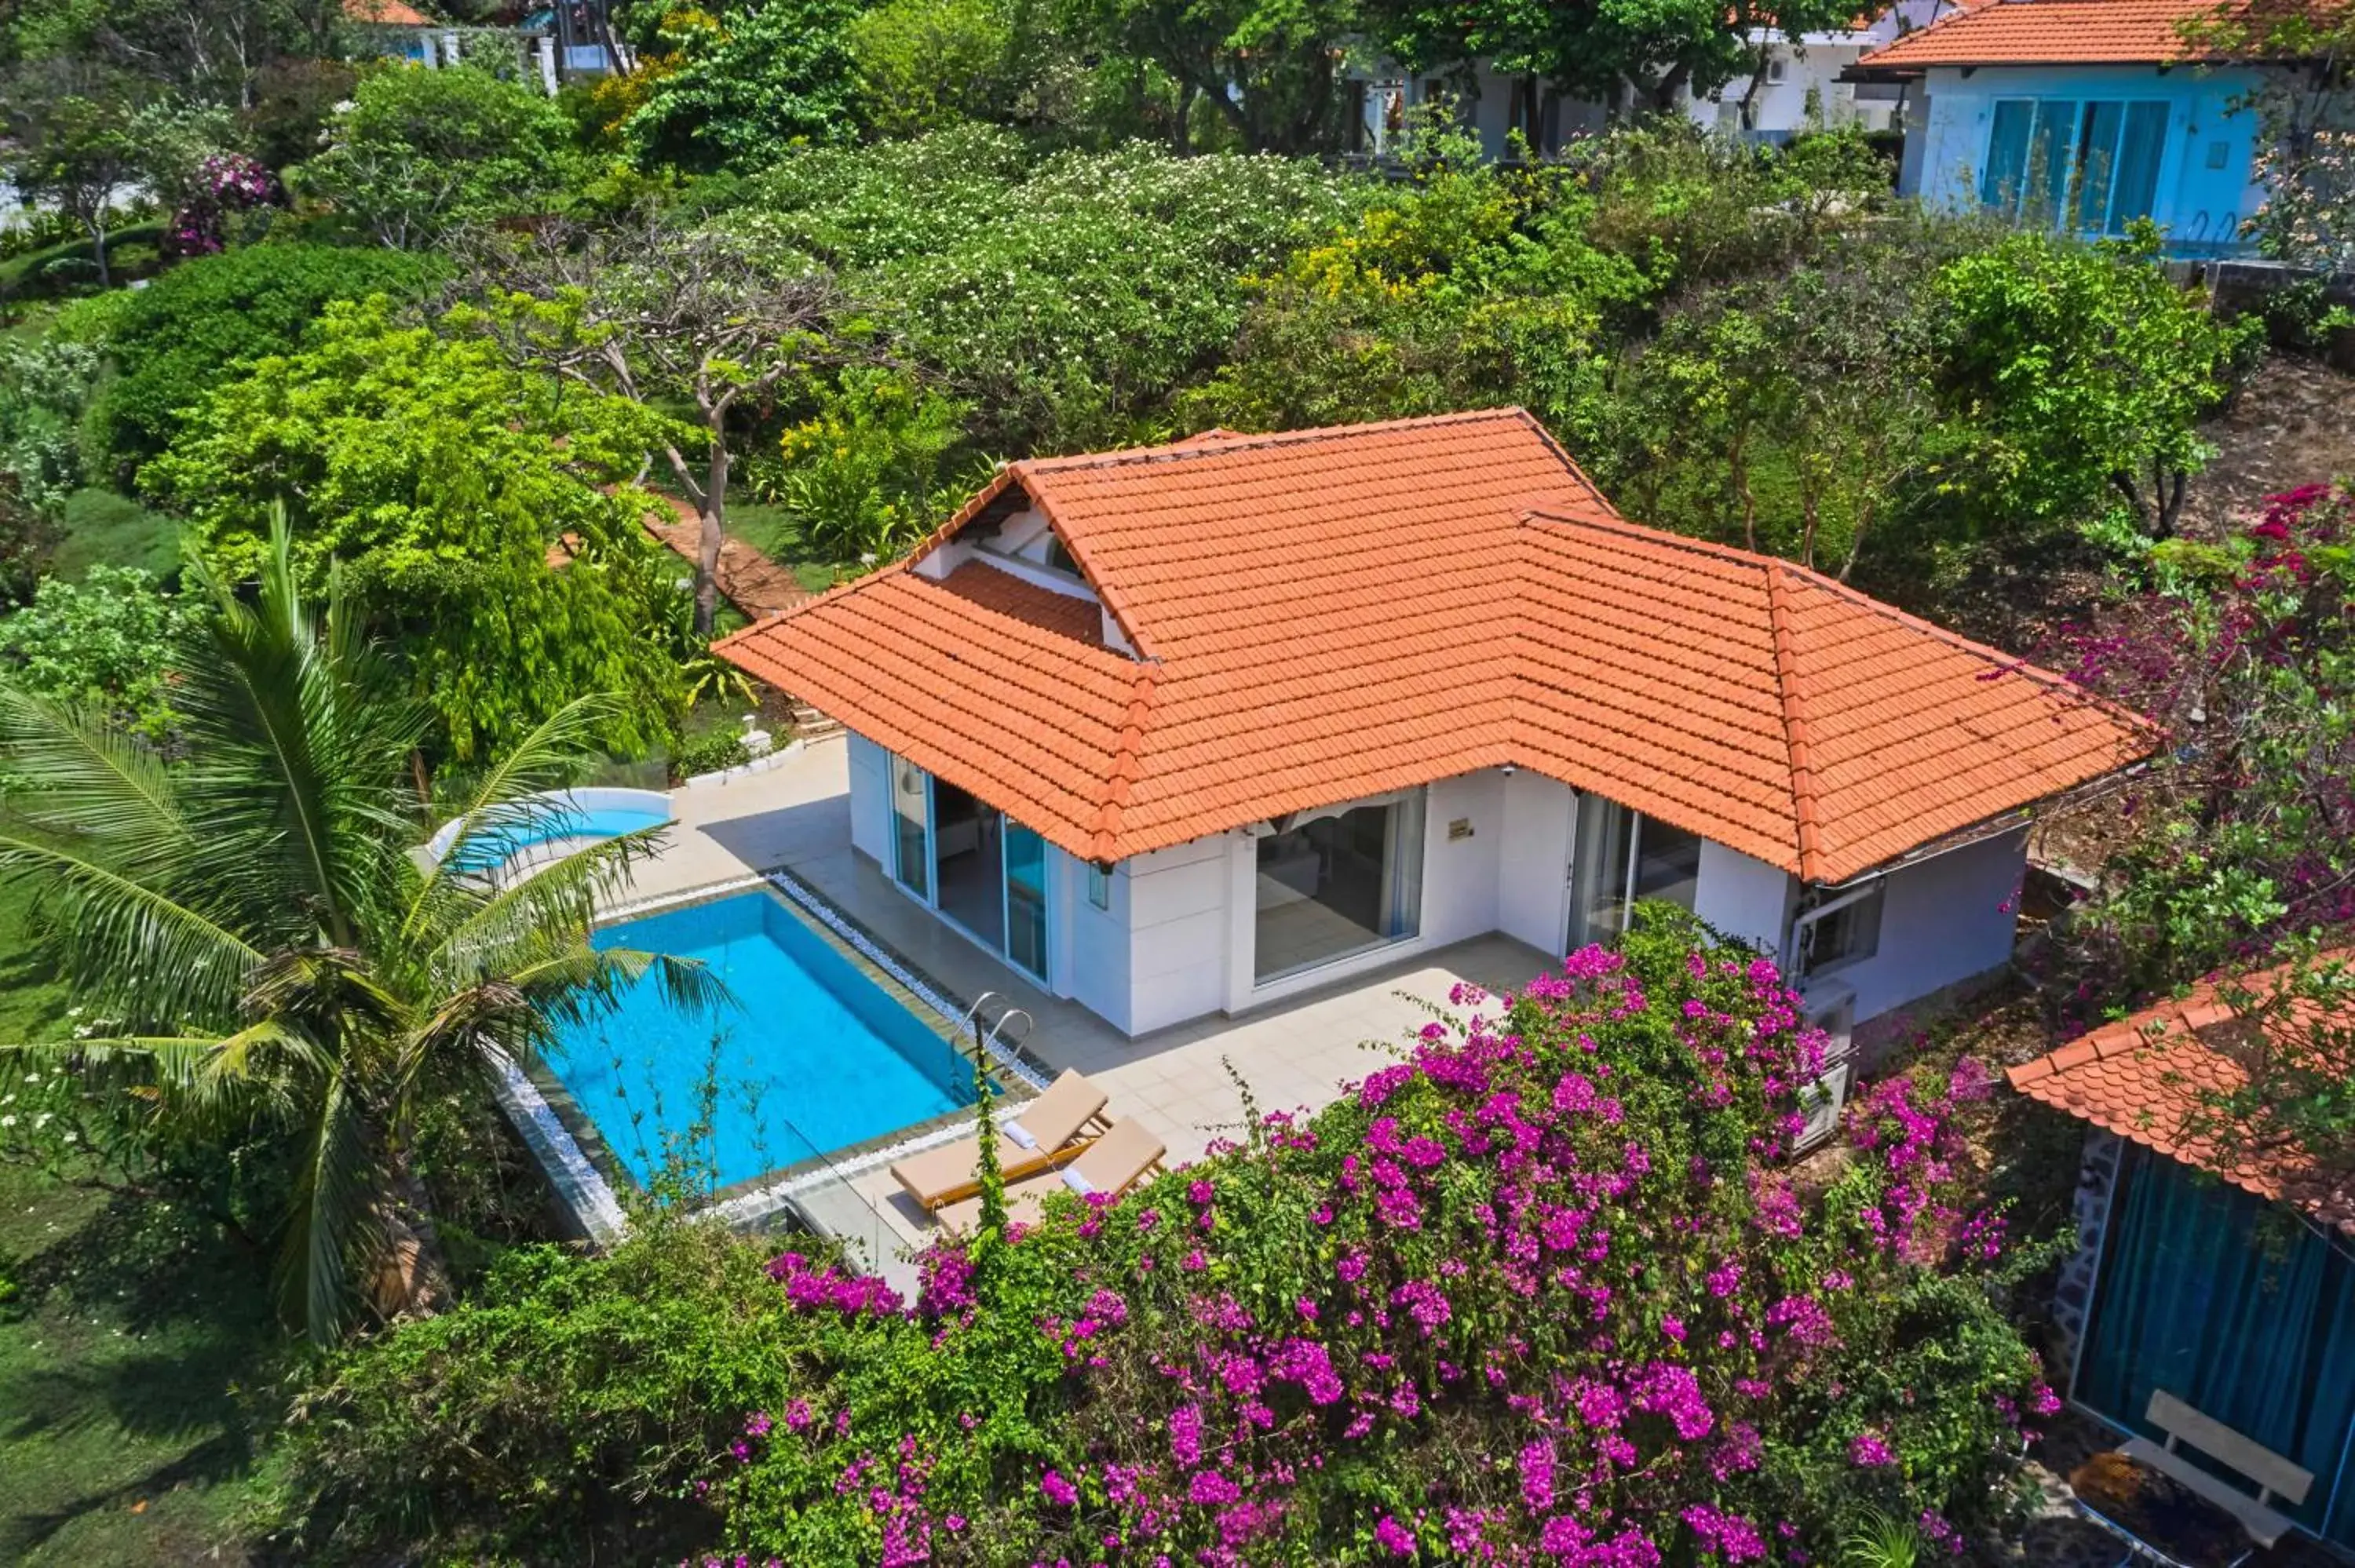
(1324, 614)
(2144, 1077)
(2048, 31)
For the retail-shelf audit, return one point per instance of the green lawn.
(97, 525)
(139, 1368)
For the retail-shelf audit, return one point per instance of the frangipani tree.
(272, 953)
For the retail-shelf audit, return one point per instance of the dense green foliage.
(420, 152)
(104, 645)
(440, 478)
(743, 89)
(257, 945)
(183, 334)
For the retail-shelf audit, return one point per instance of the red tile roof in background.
(386, 13)
(2142, 1077)
(2048, 32)
(1326, 615)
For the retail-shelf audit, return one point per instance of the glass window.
(2096, 162)
(1621, 856)
(2139, 147)
(2004, 176)
(1337, 884)
(910, 809)
(1099, 886)
(1848, 929)
(1026, 898)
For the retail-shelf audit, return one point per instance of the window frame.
(1872, 896)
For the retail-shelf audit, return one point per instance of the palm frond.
(84, 777)
(139, 949)
(522, 920)
(296, 772)
(333, 1223)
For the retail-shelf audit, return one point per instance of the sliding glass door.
(971, 861)
(1026, 898)
(1340, 882)
(2087, 165)
(1618, 857)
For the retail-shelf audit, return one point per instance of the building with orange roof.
(1188, 729)
(2214, 1279)
(2081, 114)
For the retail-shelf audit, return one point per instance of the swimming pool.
(549, 818)
(813, 1057)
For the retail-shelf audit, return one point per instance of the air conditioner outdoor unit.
(1830, 1007)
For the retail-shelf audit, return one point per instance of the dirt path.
(748, 579)
(2293, 424)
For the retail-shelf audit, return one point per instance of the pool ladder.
(994, 1036)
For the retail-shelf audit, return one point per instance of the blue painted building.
(2079, 114)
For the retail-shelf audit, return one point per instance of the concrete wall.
(871, 800)
(1178, 939)
(1177, 902)
(1743, 898)
(1944, 920)
(1092, 944)
(2204, 185)
(1533, 872)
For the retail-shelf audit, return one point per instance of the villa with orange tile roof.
(2082, 114)
(1183, 730)
(2213, 1280)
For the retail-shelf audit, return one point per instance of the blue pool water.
(812, 1057)
(496, 845)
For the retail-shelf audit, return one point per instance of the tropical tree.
(482, 515)
(273, 957)
(660, 313)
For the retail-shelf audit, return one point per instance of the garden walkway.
(748, 579)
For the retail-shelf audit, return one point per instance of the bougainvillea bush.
(2241, 832)
(1547, 1291)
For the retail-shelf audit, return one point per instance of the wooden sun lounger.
(1124, 1155)
(1040, 1135)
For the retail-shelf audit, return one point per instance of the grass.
(25, 274)
(139, 1361)
(97, 525)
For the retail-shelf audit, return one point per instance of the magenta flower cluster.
(1557, 1233)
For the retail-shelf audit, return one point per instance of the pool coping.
(590, 1178)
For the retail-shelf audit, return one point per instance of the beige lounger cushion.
(1113, 1165)
(934, 1176)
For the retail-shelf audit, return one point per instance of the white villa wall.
(1178, 902)
(1743, 898)
(1533, 874)
(1944, 920)
(1092, 945)
(870, 799)
(2204, 185)
(1178, 939)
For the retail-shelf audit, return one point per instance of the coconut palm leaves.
(275, 952)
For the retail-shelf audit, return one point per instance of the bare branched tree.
(665, 314)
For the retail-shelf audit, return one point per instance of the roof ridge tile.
(1795, 734)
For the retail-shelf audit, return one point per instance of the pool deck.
(1293, 1054)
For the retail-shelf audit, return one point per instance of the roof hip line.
(1794, 725)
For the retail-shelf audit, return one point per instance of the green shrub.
(713, 753)
(105, 643)
(191, 329)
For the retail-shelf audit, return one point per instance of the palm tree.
(275, 953)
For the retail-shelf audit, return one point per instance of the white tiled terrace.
(1294, 1053)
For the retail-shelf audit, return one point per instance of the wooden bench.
(2186, 1428)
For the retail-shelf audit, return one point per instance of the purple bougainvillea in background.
(1545, 1292)
(225, 183)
